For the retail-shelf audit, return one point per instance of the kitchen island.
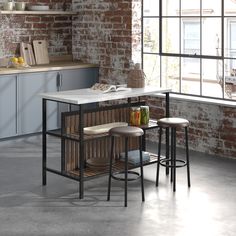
(76, 147)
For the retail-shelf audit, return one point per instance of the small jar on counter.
(144, 115)
(135, 116)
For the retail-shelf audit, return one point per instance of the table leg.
(81, 152)
(167, 130)
(44, 142)
(63, 143)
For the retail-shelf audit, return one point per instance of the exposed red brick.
(47, 19)
(32, 18)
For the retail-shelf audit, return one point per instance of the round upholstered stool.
(125, 132)
(173, 163)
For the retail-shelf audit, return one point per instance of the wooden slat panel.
(96, 149)
(118, 166)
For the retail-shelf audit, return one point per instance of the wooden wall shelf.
(51, 12)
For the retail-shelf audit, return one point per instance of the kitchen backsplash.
(56, 29)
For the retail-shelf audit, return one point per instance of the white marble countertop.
(84, 96)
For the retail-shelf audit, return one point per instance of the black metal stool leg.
(126, 170)
(172, 153)
(187, 156)
(174, 159)
(110, 169)
(141, 167)
(172, 162)
(159, 156)
(167, 149)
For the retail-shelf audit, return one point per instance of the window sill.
(200, 99)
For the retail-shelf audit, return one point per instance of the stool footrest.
(167, 163)
(136, 175)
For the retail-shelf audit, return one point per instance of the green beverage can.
(144, 115)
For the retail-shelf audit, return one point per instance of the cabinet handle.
(17, 104)
(59, 81)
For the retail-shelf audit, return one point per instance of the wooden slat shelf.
(51, 12)
(90, 172)
(152, 124)
(75, 136)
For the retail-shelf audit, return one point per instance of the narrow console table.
(73, 160)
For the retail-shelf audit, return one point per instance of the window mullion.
(201, 75)
(222, 46)
(180, 46)
(160, 39)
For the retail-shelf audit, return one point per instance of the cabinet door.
(30, 103)
(7, 106)
(77, 79)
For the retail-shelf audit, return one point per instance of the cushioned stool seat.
(126, 133)
(173, 123)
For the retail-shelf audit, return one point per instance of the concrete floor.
(26, 208)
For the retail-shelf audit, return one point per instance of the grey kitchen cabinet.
(29, 103)
(21, 105)
(8, 119)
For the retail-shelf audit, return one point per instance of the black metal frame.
(180, 55)
(82, 110)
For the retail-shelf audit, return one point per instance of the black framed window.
(190, 46)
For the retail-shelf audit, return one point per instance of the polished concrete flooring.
(208, 208)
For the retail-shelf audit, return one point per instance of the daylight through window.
(190, 46)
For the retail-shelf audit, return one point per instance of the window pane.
(230, 79)
(211, 7)
(170, 7)
(151, 35)
(170, 35)
(212, 77)
(211, 36)
(170, 73)
(151, 68)
(151, 8)
(190, 76)
(230, 38)
(191, 37)
(211, 69)
(190, 7)
(230, 67)
(230, 7)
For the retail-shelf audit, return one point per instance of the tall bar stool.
(126, 132)
(173, 163)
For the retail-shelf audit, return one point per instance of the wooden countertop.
(54, 66)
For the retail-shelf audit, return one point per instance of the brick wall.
(102, 35)
(212, 127)
(25, 28)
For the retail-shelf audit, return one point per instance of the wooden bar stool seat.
(126, 133)
(173, 123)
